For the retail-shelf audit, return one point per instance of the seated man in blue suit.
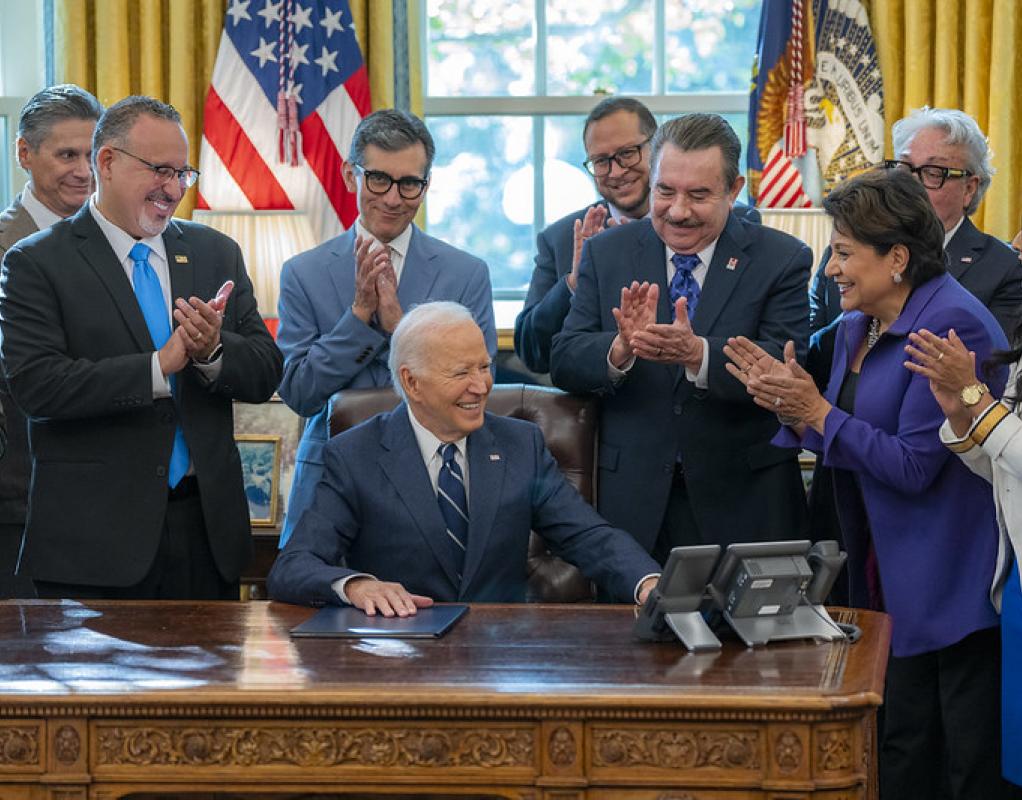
(340, 302)
(616, 137)
(685, 458)
(435, 500)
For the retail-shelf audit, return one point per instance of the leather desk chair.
(569, 424)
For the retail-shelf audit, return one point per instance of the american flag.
(289, 87)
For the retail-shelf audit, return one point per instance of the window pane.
(710, 44)
(599, 45)
(481, 47)
(480, 196)
(567, 187)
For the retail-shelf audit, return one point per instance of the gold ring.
(941, 355)
(777, 402)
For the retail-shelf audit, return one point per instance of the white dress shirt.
(40, 214)
(398, 246)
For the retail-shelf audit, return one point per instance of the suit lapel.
(15, 224)
(343, 279)
(406, 472)
(419, 273)
(651, 267)
(725, 271)
(179, 264)
(487, 465)
(98, 254)
(964, 249)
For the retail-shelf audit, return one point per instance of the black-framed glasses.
(931, 176)
(186, 176)
(599, 167)
(380, 182)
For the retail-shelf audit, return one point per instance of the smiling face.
(627, 188)
(60, 167)
(130, 194)
(448, 393)
(865, 278)
(691, 201)
(386, 215)
(930, 146)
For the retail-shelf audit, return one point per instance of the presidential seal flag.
(289, 87)
(816, 112)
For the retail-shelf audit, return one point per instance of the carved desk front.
(106, 700)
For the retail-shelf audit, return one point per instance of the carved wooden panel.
(790, 755)
(563, 745)
(208, 745)
(688, 750)
(836, 750)
(20, 747)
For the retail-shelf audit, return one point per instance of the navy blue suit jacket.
(546, 304)
(742, 488)
(375, 511)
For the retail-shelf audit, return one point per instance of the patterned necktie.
(683, 283)
(453, 503)
(154, 309)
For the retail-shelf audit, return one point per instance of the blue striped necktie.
(684, 283)
(453, 504)
(154, 309)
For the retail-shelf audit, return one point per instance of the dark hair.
(390, 130)
(611, 105)
(118, 120)
(885, 207)
(55, 104)
(701, 132)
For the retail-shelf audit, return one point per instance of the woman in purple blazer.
(919, 526)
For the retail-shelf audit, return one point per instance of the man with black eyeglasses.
(126, 337)
(616, 136)
(341, 301)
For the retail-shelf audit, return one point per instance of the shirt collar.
(120, 240)
(428, 442)
(951, 233)
(705, 255)
(399, 244)
(617, 214)
(40, 214)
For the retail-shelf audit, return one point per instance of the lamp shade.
(267, 239)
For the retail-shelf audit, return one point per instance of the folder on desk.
(347, 622)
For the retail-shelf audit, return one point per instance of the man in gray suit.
(54, 147)
(340, 302)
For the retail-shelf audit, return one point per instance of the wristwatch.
(972, 394)
(212, 356)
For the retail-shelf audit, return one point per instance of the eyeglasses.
(186, 176)
(599, 167)
(380, 182)
(929, 175)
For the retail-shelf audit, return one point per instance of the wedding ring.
(941, 355)
(659, 351)
(777, 402)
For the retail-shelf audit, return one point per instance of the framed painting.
(260, 470)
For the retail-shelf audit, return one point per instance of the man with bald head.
(54, 147)
(435, 500)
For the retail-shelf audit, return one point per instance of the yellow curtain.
(115, 48)
(374, 29)
(963, 54)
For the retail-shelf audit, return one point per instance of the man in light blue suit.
(435, 500)
(340, 302)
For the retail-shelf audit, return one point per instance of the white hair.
(959, 129)
(408, 341)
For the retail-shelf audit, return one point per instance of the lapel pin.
(966, 259)
(732, 263)
(494, 456)
(180, 259)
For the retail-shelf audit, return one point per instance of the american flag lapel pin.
(732, 263)
(494, 456)
(966, 259)
(180, 259)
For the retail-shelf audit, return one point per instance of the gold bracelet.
(990, 420)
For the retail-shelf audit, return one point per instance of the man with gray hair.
(685, 455)
(54, 146)
(435, 500)
(947, 152)
(340, 302)
(127, 376)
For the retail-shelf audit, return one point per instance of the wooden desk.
(104, 700)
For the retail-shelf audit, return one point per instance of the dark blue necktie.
(154, 309)
(453, 503)
(684, 283)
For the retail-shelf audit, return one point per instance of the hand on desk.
(389, 599)
(646, 587)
